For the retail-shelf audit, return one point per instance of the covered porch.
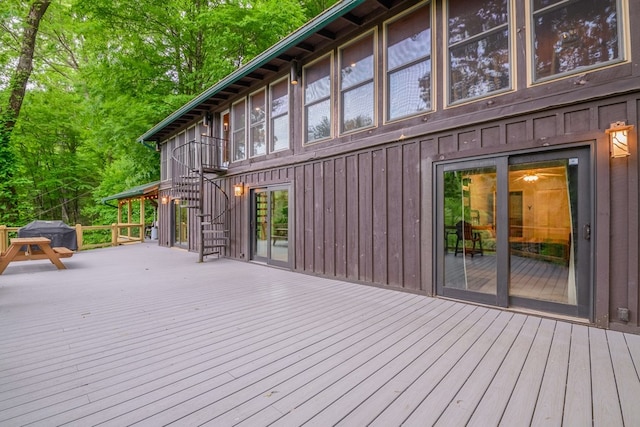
(134, 223)
(163, 339)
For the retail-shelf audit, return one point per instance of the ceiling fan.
(533, 176)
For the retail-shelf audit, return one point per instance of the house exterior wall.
(363, 202)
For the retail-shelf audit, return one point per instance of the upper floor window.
(408, 67)
(317, 99)
(238, 134)
(357, 89)
(257, 117)
(478, 48)
(571, 35)
(279, 125)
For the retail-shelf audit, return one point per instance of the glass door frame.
(584, 307)
(269, 190)
(499, 299)
(180, 210)
(581, 242)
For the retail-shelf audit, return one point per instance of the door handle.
(586, 232)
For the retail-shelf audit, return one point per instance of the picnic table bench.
(32, 248)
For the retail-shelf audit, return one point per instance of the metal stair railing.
(191, 164)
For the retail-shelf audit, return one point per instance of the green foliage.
(104, 72)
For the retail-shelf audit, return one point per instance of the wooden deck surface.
(143, 335)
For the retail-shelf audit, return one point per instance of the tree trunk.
(8, 117)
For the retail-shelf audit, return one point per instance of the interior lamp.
(619, 139)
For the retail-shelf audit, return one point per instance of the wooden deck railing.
(90, 236)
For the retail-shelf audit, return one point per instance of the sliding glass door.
(270, 225)
(515, 231)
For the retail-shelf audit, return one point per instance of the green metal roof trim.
(283, 45)
(135, 191)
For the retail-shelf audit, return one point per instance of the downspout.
(154, 147)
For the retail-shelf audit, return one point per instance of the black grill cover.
(59, 233)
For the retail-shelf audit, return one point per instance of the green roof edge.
(133, 191)
(283, 45)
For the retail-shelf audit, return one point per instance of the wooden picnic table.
(36, 248)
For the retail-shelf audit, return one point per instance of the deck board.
(578, 403)
(550, 404)
(164, 340)
(519, 410)
(455, 398)
(626, 376)
(606, 404)
(490, 408)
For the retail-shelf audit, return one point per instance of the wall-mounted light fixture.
(208, 119)
(157, 146)
(164, 200)
(619, 139)
(238, 189)
(295, 72)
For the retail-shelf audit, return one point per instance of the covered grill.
(61, 234)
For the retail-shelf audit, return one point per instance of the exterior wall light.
(619, 139)
(164, 200)
(238, 189)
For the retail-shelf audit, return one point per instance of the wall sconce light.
(158, 147)
(225, 126)
(238, 189)
(164, 200)
(208, 119)
(295, 72)
(619, 139)
(176, 201)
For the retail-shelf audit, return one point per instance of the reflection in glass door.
(469, 227)
(181, 224)
(261, 221)
(515, 231)
(270, 225)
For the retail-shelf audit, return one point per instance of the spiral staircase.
(196, 167)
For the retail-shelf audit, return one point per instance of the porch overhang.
(148, 189)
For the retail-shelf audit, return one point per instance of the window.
(408, 67)
(279, 110)
(570, 36)
(238, 118)
(317, 100)
(258, 115)
(478, 48)
(357, 95)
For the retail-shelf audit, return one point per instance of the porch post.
(142, 225)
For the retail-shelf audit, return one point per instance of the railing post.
(4, 238)
(79, 237)
(114, 234)
(142, 220)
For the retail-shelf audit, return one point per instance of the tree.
(101, 73)
(9, 113)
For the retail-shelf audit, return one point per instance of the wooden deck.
(145, 335)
